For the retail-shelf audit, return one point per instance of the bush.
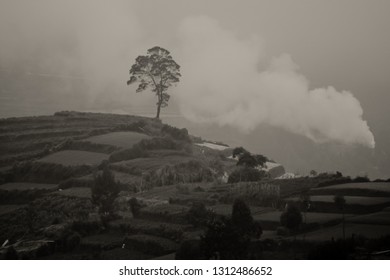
(105, 191)
(198, 215)
(242, 217)
(222, 240)
(246, 174)
(361, 179)
(176, 133)
(291, 218)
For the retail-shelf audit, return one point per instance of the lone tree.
(291, 218)
(156, 70)
(242, 217)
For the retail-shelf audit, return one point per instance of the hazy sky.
(316, 68)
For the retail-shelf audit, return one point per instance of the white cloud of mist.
(93, 40)
(222, 84)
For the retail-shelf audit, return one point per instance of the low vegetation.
(102, 186)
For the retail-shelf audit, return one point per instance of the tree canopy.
(158, 71)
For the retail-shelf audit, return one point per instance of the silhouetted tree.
(291, 218)
(222, 240)
(156, 70)
(340, 202)
(246, 174)
(247, 160)
(104, 191)
(238, 151)
(242, 217)
(260, 160)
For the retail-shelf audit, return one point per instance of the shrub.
(242, 217)
(199, 215)
(361, 179)
(291, 218)
(105, 191)
(176, 133)
(246, 174)
(222, 240)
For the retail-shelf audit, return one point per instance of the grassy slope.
(122, 139)
(28, 138)
(75, 158)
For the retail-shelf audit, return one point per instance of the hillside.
(49, 166)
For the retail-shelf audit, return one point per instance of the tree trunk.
(158, 110)
(159, 103)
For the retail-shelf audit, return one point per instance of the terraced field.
(368, 188)
(226, 209)
(122, 139)
(311, 217)
(378, 218)
(76, 192)
(359, 200)
(7, 208)
(367, 230)
(27, 186)
(148, 164)
(75, 158)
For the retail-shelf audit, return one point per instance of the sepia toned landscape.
(194, 130)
